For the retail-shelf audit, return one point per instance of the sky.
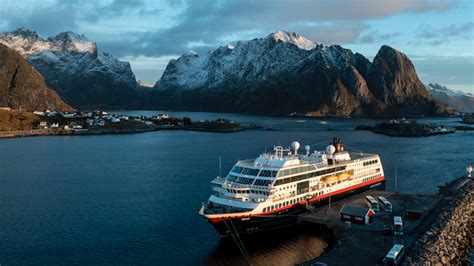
(437, 35)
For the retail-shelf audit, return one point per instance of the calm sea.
(135, 198)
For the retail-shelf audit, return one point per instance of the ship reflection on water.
(287, 246)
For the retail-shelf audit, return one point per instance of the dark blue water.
(135, 198)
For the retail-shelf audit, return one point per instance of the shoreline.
(420, 238)
(112, 131)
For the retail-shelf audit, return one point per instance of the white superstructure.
(279, 180)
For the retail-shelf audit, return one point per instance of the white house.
(43, 124)
(38, 113)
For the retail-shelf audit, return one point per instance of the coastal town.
(16, 123)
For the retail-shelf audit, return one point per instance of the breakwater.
(451, 236)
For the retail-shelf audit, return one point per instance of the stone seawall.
(451, 236)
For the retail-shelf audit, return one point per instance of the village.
(49, 122)
(84, 121)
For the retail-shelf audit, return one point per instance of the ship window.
(268, 173)
(284, 172)
(237, 169)
(260, 182)
(250, 171)
(244, 180)
(231, 178)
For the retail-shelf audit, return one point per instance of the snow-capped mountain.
(458, 100)
(285, 73)
(71, 64)
(21, 86)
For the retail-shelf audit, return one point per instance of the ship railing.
(227, 184)
(218, 180)
(361, 154)
(251, 163)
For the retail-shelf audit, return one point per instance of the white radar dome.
(295, 145)
(330, 149)
(307, 147)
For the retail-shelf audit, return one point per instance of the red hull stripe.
(370, 182)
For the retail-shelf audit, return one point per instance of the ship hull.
(281, 218)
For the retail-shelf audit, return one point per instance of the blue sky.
(437, 35)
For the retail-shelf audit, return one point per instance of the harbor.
(369, 244)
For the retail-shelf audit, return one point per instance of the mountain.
(22, 86)
(458, 100)
(285, 73)
(72, 65)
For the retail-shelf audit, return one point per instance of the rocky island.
(407, 128)
(468, 119)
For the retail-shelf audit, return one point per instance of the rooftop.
(354, 210)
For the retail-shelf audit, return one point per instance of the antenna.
(220, 166)
(396, 177)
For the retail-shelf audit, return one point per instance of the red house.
(356, 215)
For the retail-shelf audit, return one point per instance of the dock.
(368, 244)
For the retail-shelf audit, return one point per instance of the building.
(40, 113)
(43, 124)
(356, 215)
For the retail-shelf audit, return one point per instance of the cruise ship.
(270, 191)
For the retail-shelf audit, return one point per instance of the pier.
(368, 244)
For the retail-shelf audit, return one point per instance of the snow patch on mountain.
(28, 42)
(443, 89)
(291, 37)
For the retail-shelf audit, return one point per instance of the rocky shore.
(451, 236)
(139, 128)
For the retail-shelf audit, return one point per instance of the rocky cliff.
(22, 86)
(285, 73)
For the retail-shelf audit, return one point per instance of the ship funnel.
(295, 145)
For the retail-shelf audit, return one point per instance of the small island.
(15, 123)
(468, 118)
(407, 128)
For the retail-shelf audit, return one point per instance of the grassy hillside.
(11, 120)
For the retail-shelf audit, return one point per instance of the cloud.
(374, 36)
(172, 27)
(205, 22)
(436, 36)
(51, 17)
